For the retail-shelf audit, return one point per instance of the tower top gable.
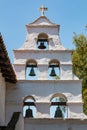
(42, 25)
(42, 21)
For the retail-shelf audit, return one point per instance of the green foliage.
(79, 59)
(57, 77)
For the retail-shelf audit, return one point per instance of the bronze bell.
(29, 113)
(58, 112)
(41, 46)
(32, 73)
(52, 72)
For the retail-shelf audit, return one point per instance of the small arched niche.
(29, 108)
(31, 69)
(42, 41)
(54, 69)
(58, 108)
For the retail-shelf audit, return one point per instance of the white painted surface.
(20, 123)
(43, 58)
(55, 124)
(2, 100)
(43, 91)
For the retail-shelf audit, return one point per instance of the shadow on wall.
(11, 125)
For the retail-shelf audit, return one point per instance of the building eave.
(40, 18)
(6, 67)
(51, 121)
(49, 81)
(43, 26)
(43, 51)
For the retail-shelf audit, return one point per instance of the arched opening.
(42, 42)
(54, 69)
(29, 109)
(58, 108)
(31, 69)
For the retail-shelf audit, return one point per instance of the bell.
(32, 72)
(41, 46)
(29, 113)
(52, 72)
(58, 112)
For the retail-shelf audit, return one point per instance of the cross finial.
(42, 9)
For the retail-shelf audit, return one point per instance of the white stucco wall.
(46, 124)
(20, 71)
(20, 123)
(2, 100)
(42, 91)
(66, 72)
(32, 36)
(43, 58)
(42, 72)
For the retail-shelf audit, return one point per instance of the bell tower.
(46, 92)
(42, 42)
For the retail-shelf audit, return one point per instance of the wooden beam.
(3, 65)
(10, 80)
(31, 65)
(58, 103)
(53, 65)
(6, 70)
(29, 104)
(7, 75)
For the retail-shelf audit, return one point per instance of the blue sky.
(71, 15)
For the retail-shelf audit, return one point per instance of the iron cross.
(42, 9)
